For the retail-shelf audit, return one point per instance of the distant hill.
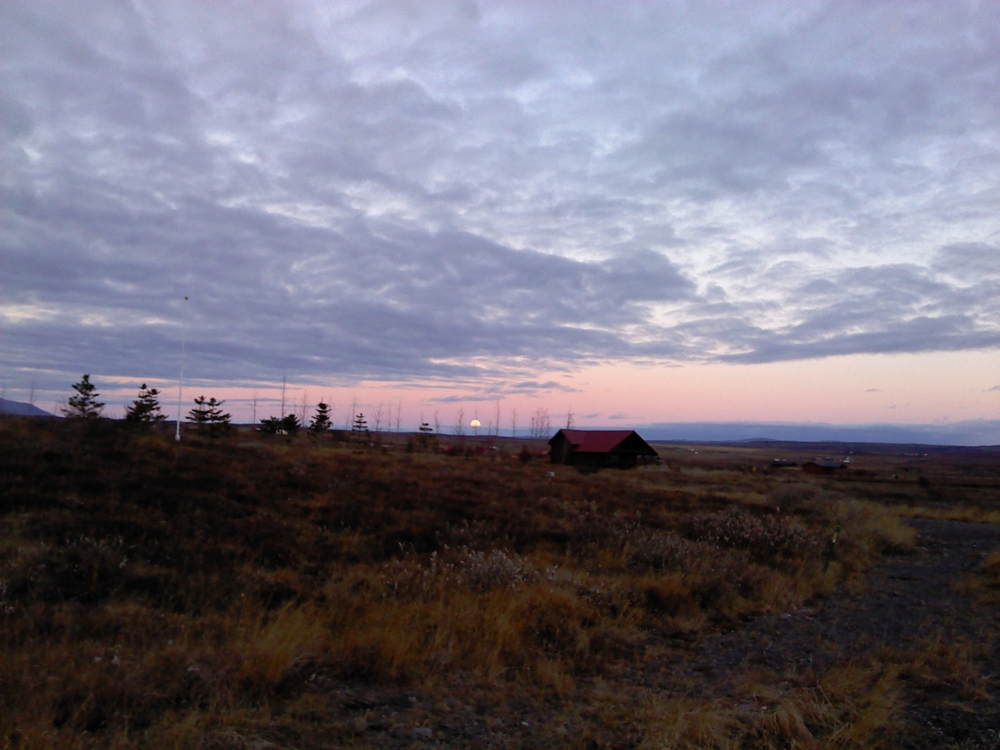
(22, 409)
(969, 433)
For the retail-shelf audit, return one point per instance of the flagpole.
(180, 381)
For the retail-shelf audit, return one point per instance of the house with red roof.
(621, 449)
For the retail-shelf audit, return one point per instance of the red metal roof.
(595, 441)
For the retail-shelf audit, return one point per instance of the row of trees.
(84, 403)
(209, 416)
(290, 423)
(207, 413)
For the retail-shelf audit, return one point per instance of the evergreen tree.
(290, 424)
(200, 413)
(84, 404)
(321, 420)
(270, 426)
(286, 425)
(146, 408)
(208, 414)
(360, 423)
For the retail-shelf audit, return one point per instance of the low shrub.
(765, 537)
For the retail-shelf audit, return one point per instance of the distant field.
(255, 592)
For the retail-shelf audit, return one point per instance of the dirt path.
(909, 601)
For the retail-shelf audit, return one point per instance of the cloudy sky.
(660, 211)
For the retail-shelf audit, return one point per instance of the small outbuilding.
(620, 449)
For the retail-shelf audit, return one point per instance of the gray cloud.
(891, 308)
(474, 192)
(969, 261)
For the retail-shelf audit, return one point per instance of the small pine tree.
(360, 423)
(270, 426)
(426, 435)
(84, 404)
(286, 425)
(208, 414)
(146, 408)
(321, 420)
(290, 424)
(199, 414)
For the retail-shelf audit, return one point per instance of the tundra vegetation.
(246, 591)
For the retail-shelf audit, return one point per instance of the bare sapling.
(303, 406)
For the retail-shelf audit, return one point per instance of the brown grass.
(951, 513)
(984, 583)
(859, 704)
(185, 596)
(852, 706)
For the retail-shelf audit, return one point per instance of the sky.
(631, 212)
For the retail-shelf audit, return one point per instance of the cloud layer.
(483, 191)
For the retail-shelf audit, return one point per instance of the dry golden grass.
(157, 595)
(951, 513)
(852, 706)
(859, 704)
(991, 570)
(984, 583)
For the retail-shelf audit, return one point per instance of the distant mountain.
(21, 409)
(970, 433)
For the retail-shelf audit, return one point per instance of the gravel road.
(909, 600)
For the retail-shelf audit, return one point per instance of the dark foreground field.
(271, 593)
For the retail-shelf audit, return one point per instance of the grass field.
(253, 592)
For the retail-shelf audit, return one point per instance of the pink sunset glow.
(848, 390)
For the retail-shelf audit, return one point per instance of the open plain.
(276, 592)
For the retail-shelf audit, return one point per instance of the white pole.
(180, 381)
